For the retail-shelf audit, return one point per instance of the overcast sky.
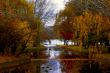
(58, 5)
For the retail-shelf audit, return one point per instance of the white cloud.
(59, 4)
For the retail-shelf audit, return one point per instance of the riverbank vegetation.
(19, 26)
(87, 23)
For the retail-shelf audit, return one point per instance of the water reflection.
(69, 66)
(51, 66)
(57, 42)
(52, 53)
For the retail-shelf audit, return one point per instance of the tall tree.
(44, 9)
(86, 18)
(18, 24)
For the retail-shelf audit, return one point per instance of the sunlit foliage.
(18, 25)
(89, 21)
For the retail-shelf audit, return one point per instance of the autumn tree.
(88, 19)
(44, 9)
(18, 24)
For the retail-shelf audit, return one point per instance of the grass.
(80, 50)
(103, 49)
(30, 50)
(34, 49)
(104, 56)
(74, 48)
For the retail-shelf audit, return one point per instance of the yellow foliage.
(22, 27)
(89, 22)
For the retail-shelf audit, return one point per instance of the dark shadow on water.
(74, 66)
(91, 67)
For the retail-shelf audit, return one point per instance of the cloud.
(59, 5)
(55, 5)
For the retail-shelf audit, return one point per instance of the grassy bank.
(101, 52)
(73, 48)
(34, 49)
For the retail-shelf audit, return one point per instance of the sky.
(58, 5)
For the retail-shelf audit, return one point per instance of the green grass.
(74, 48)
(78, 49)
(104, 56)
(31, 49)
(34, 49)
(103, 49)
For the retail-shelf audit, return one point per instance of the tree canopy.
(87, 20)
(18, 25)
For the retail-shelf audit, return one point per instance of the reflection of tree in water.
(17, 70)
(71, 66)
(91, 67)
